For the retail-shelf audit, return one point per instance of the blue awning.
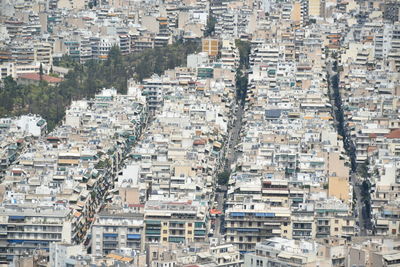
(247, 230)
(199, 232)
(237, 214)
(176, 239)
(17, 241)
(17, 217)
(110, 235)
(134, 236)
(265, 214)
(41, 242)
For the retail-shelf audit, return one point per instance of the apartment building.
(65, 176)
(115, 229)
(29, 227)
(210, 46)
(248, 224)
(281, 251)
(175, 222)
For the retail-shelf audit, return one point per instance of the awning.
(134, 236)
(110, 235)
(237, 214)
(247, 230)
(17, 241)
(268, 214)
(217, 144)
(215, 211)
(17, 217)
(204, 255)
(284, 255)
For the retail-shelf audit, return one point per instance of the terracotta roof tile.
(36, 77)
(394, 134)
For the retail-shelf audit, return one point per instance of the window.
(336, 229)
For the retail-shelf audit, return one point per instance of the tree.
(223, 178)
(210, 27)
(244, 53)
(242, 78)
(363, 170)
(41, 71)
(85, 80)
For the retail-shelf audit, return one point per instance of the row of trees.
(241, 72)
(84, 80)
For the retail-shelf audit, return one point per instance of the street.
(220, 199)
(359, 207)
(231, 155)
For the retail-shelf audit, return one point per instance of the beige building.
(373, 252)
(339, 187)
(175, 222)
(72, 4)
(211, 46)
(316, 8)
(296, 12)
(151, 24)
(43, 53)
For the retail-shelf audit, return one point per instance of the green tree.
(210, 27)
(223, 178)
(85, 80)
(41, 71)
(244, 48)
(363, 169)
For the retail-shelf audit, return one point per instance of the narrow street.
(220, 199)
(359, 207)
(231, 155)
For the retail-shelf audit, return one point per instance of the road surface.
(359, 207)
